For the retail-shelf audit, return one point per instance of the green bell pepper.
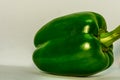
(77, 44)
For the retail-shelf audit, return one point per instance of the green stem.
(107, 39)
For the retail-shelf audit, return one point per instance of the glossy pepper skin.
(70, 45)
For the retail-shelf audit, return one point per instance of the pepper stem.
(108, 38)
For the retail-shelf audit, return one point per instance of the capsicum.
(76, 44)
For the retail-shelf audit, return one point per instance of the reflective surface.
(32, 73)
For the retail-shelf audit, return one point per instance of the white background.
(21, 19)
